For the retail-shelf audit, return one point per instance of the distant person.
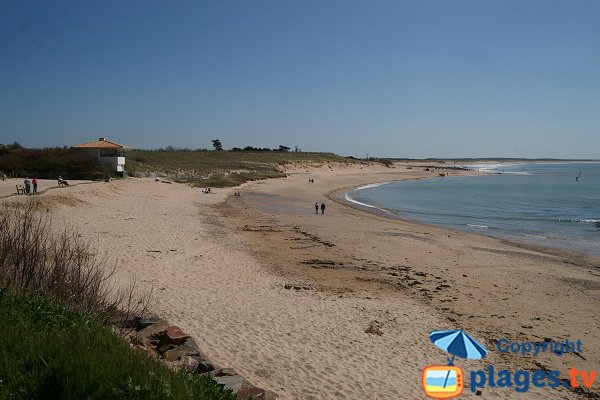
(316, 208)
(62, 182)
(34, 183)
(322, 208)
(27, 184)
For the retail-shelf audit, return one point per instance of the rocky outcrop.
(178, 350)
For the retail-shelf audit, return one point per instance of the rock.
(189, 363)
(164, 347)
(374, 328)
(124, 320)
(204, 367)
(149, 333)
(297, 287)
(233, 382)
(224, 372)
(251, 392)
(478, 393)
(147, 320)
(188, 348)
(287, 286)
(307, 287)
(176, 335)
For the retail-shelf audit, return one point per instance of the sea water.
(552, 204)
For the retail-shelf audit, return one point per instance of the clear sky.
(388, 78)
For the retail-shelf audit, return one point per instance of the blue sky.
(387, 78)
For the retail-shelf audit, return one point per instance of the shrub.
(62, 265)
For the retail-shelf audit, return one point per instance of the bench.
(20, 189)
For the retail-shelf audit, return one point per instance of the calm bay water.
(541, 203)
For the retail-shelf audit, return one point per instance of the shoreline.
(339, 196)
(490, 261)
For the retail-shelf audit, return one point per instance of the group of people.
(207, 190)
(29, 184)
(311, 180)
(317, 208)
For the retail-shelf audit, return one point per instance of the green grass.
(218, 168)
(48, 351)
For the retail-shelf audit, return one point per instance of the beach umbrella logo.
(447, 381)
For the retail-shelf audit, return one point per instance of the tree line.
(49, 163)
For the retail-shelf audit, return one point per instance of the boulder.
(147, 320)
(188, 348)
(175, 335)
(251, 392)
(232, 382)
(149, 333)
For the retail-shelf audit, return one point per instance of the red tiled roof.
(99, 144)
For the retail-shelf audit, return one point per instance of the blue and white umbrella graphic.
(458, 343)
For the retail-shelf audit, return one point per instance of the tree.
(283, 148)
(218, 146)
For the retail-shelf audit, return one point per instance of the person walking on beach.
(34, 183)
(316, 208)
(322, 208)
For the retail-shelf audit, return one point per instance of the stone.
(287, 286)
(147, 320)
(149, 333)
(165, 347)
(188, 348)
(204, 367)
(251, 392)
(176, 335)
(232, 382)
(374, 328)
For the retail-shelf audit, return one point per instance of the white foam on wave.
(495, 168)
(371, 185)
(360, 203)
(586, 220)
(478, 226)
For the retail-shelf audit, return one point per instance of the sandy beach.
(219, 266)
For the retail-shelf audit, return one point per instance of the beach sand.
(219, 265)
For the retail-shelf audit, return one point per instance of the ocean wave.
(584, 220)
(360, 203)
(478, 226)
(371, 185)
(495, 168)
